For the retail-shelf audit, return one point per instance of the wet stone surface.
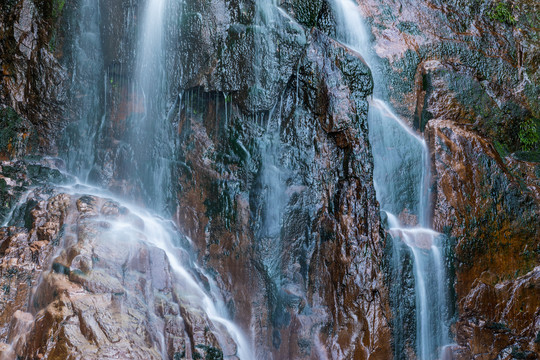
(72, 288)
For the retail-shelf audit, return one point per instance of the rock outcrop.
(490, 211)
(83, 279)
(288, 214)
(465, 74)
(491, 60)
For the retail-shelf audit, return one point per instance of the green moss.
(502, 149)
(58, 6)
(529, 134)
(10, 124)
(503, 14)
(212, 353)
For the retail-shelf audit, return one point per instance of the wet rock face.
(282, 205)
(490, 209)
(273, 171)
(468, 79)
(501, 319)
(72, 289)
(32, 85)
(245, 47)
(489, 65)
(17, 178)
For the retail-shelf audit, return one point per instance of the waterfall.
(151, 133)
(146, 149)
(86, 82)
(401, 177)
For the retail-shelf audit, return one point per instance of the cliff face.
(273, 183)
(465, 73)
(272, 178)
(489, 211)
(33, 81)
(287, 191)
(489, 51)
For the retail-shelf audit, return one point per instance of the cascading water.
(151, 132)
(401, 176)
(150, 145)
(86, 83)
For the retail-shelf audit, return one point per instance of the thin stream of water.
(401, 177)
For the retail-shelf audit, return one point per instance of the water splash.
(164, 235)
(401, 176)
(145, 153)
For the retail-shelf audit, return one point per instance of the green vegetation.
(503, 14)
(528, 135)
(10, 127)
(58, 6)
(212, 353)
(56, 12)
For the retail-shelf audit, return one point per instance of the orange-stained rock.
(491, 213)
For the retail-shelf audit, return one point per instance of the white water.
(401, 176)
(150, 140)
(162, 234)
(151, 149)
(150, 79)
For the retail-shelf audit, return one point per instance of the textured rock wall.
(490, 211)
(73, 287)
(492, 63)
(314, 288)
(259, 94)
(32, 89)
(470, 80)
(274, 171)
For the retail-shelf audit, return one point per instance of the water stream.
(145, 156)
(147, 150)
(401, 176)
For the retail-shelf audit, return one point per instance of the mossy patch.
(502, 13)
(16, 133)
(529, 134)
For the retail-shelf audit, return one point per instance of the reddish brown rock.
(315, 288)
(491, 213)
(32, 83)
(492, 64)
